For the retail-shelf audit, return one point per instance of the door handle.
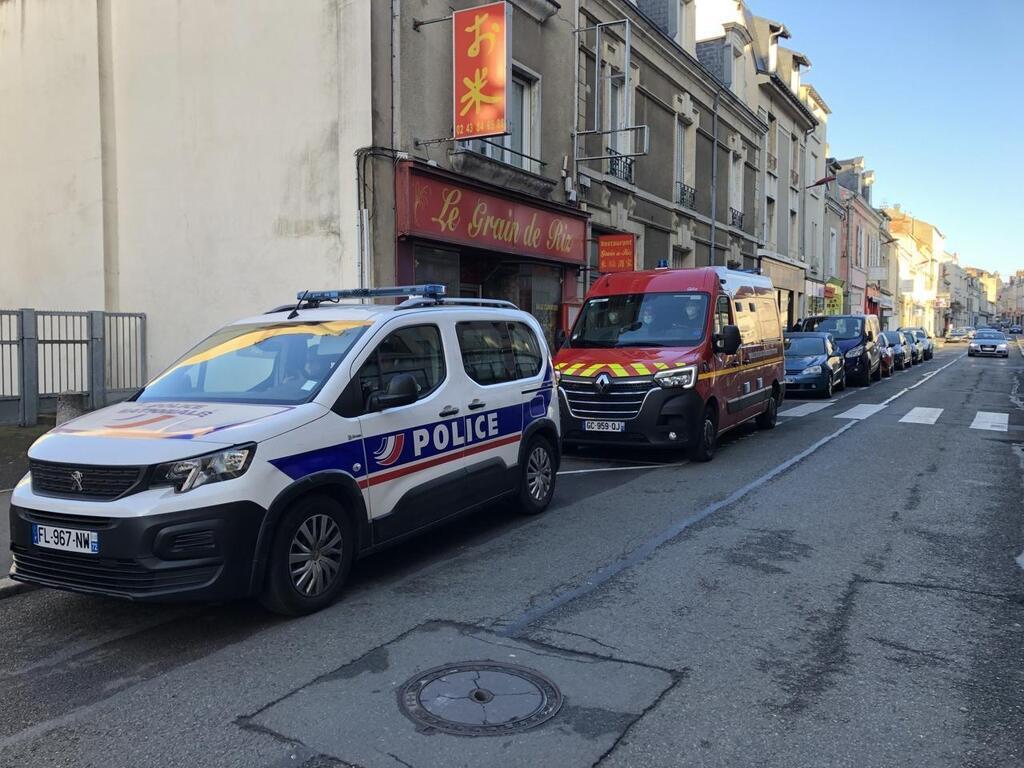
(448, 411)
(476, 404)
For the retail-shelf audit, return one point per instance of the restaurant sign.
(834, 297)
(443, 209)
(616, 253)
(480, 70)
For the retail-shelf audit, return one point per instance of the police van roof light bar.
(432, 290)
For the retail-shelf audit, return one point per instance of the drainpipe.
(714, 177)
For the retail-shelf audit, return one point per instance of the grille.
(117, 577)
(69, 521)
(97, 482)
(194, 542)
(621, 401)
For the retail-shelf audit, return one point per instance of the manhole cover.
(479, 698)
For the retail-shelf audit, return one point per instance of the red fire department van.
(676, 357)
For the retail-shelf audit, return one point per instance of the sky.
(931, 93)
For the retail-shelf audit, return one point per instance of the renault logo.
(602, 383)
(76, 481)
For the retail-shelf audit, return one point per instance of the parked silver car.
(927, 345)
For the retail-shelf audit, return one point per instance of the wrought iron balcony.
(620, 166)
(735, 218)
(773, 162)
(794, 179)
(686, 195)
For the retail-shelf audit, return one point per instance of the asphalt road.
(839, 591)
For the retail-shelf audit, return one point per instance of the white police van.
(285, 445)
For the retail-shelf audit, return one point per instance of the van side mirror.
(728, 341)
(402, 390)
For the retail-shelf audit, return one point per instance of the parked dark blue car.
(813, 364)
(856, 336)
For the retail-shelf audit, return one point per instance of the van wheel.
(310, 557)
(705, 440)
(537, 483)
(769, 417)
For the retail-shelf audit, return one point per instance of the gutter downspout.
(714, 178)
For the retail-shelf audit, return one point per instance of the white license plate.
(604, 426)
(66, 539)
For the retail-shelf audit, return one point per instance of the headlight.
(855, 352)
(1001, 346)
(678, 377)
(974, 345)
(811, 369)
(186, 474)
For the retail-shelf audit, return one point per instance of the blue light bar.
(430, 289)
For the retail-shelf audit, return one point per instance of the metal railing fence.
(46, 353)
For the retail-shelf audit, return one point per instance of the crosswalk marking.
(859, 412)
(804, 409)
(922, 416)
(996, 422)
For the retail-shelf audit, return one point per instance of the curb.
(11, 588)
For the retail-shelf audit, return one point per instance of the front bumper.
(205, 553)
(798, 382)
(989, 352)
(665, 412)
(856, 366)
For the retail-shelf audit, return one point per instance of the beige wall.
(228, 137)
(51, 215)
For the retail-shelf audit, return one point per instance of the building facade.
(920, 246)
(746, 51)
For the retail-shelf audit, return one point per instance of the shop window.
(416, 350)
(487, 352)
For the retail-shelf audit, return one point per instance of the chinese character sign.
(616, 253)
(480, 69)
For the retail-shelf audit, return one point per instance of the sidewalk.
(14, 444)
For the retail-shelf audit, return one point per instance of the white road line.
(805, 409)
(859, 412)
(620, 469)
(995, 422)
(922, 416)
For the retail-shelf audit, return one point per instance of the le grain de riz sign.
(442, 209)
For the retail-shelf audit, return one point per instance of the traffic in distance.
(285, 445)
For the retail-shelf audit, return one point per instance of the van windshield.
(840, 327)
(274, 363)
(642, 320)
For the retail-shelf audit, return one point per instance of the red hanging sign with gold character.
(616, 253)
(480, 70)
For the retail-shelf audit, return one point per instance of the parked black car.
(813, 364)
(855, 335)
(901, 351)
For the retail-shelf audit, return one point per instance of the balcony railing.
(686, 195)
(773, 163)
(620, 166)
(735, 218)
(794, 179)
